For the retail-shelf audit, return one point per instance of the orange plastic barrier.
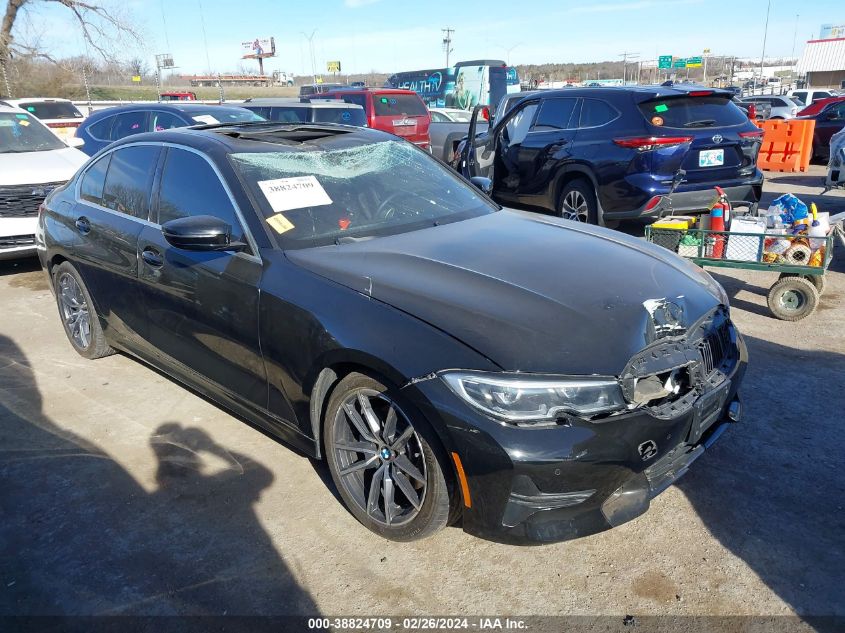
(787, 145)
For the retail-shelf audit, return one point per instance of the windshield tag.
(298, 192)
(205, 118)
(280, 223)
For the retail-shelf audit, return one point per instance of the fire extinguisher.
(720, 217)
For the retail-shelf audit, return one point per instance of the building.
(823, 63)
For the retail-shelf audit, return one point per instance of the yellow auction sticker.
(280, 223)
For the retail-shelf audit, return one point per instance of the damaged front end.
(605, 454)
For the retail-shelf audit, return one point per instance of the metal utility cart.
(800, 260)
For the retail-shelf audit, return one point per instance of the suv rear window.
(344, 116)
(397, 104)
(52, 110)
(693, 112)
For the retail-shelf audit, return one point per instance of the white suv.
(60, 115)
(33, 162)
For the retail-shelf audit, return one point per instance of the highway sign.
(694, 62)
(680, 63)
(333, 67)
(664, 61)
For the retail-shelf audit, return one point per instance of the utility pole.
(765, 35)
(792, 59)
(447, 42)
(310, 39)
(625, 57)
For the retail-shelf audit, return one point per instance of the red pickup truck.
(399, 112)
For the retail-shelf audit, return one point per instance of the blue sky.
(391, 35)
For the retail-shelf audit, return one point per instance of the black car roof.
(262, 136)
(169, 106)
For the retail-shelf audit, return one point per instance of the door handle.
(152, 257)
(83, 225)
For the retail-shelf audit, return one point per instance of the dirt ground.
(123, 493)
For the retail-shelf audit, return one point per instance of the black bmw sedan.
(532, 378)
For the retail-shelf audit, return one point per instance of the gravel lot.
(123, 493)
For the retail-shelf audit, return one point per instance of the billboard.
(832, 31)
(259, 47)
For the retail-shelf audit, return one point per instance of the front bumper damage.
(579, 477)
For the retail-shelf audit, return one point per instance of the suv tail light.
(647, 143)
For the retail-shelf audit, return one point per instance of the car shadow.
(16, 266)
(771, 490)
(80, 536)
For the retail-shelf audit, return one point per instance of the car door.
(497, 157)
(547, 146)
(203, 305)
(828, 122)
(111, 209)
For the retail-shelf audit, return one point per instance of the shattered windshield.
(320, 197)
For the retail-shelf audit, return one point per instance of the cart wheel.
(817, 280)
(793, 298)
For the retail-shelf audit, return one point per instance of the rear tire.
(78, 314)
(793, 298)
(385, 461)
(817, 280)
(577, 202)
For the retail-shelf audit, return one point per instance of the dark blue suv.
(600, 155)
(113, 124)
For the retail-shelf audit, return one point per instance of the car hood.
(529, 292)
(29, 168)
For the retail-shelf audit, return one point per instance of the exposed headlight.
(520, 398)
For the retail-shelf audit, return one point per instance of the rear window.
(344, 116)
(692, 112)
(52, 110)
(398, 104)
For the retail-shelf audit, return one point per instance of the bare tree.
(100, 26)
(138, 66)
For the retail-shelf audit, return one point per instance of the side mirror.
(75, 141)
(200, 233)
(484, 184)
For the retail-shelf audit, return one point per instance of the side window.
(360, 100)
(821, 95)
(436, 117)
(595, 112)
(838, 112)
(190, 187)
(263, 112)
(93, 180)
(129, 178)
(164, 121)
(800, 97)
(128, 124)
(101, 130)
(555, 114)
(518, 125)
(287, 115)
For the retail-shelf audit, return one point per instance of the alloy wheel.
(574, 207)
(379, 457)
(74, 310)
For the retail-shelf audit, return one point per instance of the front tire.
(78, 314)
(384, 461)
(578, 202)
